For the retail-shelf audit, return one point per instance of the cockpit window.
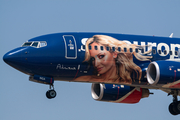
(36, 44)
(27, 44)
(42, 44)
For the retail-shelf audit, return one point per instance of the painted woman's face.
(102, 60)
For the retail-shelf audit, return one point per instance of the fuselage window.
(95, 47)
(107, 48)
(165, 52)
(90, 47)
(101, 47)
(113, 48)
(83, 46)
(142, 50)
(125, 49)
(176, 52)
(130, 49)
(119, 49)
(136, 50)
(159, 51)
(170, 52)
(154, 51)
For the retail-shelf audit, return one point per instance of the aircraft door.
(70, 47)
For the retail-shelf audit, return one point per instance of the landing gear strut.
(51, 93)
(174, 107)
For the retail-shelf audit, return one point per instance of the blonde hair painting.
(124, 61)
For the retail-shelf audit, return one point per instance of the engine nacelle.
(118, 93)
(163, 72)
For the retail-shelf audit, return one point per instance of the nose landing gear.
(174, 107)
(51, 93)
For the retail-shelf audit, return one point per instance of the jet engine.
(117, 93)
(163, 72)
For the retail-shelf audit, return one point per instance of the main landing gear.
(51, 93)
(174, 107)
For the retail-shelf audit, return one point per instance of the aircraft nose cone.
(12, 58)
(15, 59)
(5, 58)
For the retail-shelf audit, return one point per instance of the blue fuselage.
(62, 58)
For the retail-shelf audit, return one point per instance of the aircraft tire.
(177, 107)
(172, 109)
(47, 95)
(51, 94)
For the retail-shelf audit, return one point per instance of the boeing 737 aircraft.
(122, 68)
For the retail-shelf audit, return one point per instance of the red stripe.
(51, 80)
(174, 75)
(76, 74)
(175, 86)
(134, 97)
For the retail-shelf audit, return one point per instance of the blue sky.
(22, 20)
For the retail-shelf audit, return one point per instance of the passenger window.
(90, 47)
(119, 49)
(83, 46)
(170, 52)
(165, 52)
(136, 50)
(176, 52)
(159, 51)
(101, 47)
(113, 48)
(130, 49)
(95, 47)
(35, 44)
(154, 51)
(125, 49)
(107, 48)
(142, 50)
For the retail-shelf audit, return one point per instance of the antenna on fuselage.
(171, 35)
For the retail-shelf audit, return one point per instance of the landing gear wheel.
(177, 107)
(51, 94)
(172, 109)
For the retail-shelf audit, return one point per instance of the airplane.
(121, 67)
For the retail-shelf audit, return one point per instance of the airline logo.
(150, 45)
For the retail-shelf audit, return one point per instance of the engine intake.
(163, 72)
(153, 73)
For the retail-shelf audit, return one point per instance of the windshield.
(36, 44)
(26, 44)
